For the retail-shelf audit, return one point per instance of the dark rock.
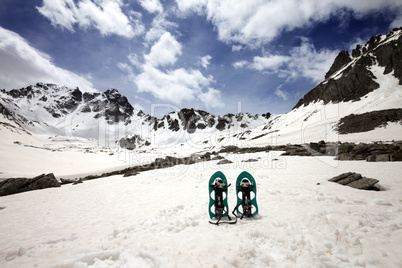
(77, 182)
(370, 152)
(379, 158)
(225, 122)
(19, 185)
(357, 82)
(132, 142)
(342, 59)
(351, 178)
(355, 180)
(294, 150)
(250, 160)
(341, 177)
(131, 173)
(224, 161)
(344, 156)
(363, 183)
(218, 157)
(68, 181)
(368, 121)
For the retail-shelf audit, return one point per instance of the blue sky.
(217, 55)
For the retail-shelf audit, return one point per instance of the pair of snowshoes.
(246, 192)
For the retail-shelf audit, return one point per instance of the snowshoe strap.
(246, 200)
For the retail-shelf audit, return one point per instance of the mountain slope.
(351, 77)
(368, 83)
(57, 110)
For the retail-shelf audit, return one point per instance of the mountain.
(359, 100)
(363, 88)
(108, 116)
(351, 76)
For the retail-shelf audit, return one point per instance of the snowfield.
(159, 218)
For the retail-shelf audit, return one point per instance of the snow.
(159, 218)
(317, 121)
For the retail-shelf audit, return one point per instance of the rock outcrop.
(356, 180)
(19, 185)
(368, 121)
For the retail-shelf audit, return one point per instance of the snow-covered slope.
(159, 218)
(370, 80)
(57, 110)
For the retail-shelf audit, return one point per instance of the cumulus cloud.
(257, 22)
(309, 63)
(269, 62)
(173, 85)
(106, 16)
(186, 7)
(23, 65)
(237, 47)
(205, 61)
(159, 77)
(159, 26)
(303, 61)
(240, 64)
(134, 60)
(164, 52)
(211, 98)
(152, 6)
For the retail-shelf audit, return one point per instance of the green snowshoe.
(218, 202)
(246, 192)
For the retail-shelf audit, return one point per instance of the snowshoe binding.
(246, 192)
(218, 203)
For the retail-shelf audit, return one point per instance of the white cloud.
(257, 22)
(174, 85)
(397, 22)
(134, 60)
(164, 52)
(237, 47)
(170, 84)
(152, 6)
(186, 7)
(281, 94)
(309, 63)
(240, 64)
(105, 15)
(23, 65)
(60, 13)
(125, 67)
(212, 98)
(205, 61)
(159, 26)
(271, 62)
(303, 61)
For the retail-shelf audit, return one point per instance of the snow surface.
(159, 218)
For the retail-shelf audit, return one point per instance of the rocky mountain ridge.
(59, 107)
(350, 76)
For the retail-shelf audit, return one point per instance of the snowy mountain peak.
(351, 77)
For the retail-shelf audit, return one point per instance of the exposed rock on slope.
(19, 185)
(368, 121)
